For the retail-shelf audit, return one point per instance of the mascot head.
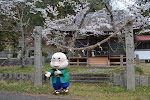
(59, 61)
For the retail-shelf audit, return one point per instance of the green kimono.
(64, 77)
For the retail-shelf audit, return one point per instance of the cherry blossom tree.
(71, 22)
(139, 10)
(57, 27)
(17, 10)
(141, 14)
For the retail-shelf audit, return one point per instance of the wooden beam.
(87, 60)
(121, 60)
(108, 53)
(137, 59)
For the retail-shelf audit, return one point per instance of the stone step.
(91, 75)
(90, 78)
(99, 67)
(88, 81)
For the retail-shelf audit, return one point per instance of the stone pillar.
(130, 56)
(9, 55)
(27, 54)
(38, 56)
(19, 54)
(121, 60)
(137, 59)
(122, 78)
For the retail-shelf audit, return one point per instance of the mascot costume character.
(60, 77)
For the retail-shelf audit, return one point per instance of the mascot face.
(59, 61)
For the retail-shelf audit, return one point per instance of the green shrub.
(29, 54)
(44, 54)
(15, 55)
(139, 70)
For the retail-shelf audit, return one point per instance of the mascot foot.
(65, 91)
(56, 92)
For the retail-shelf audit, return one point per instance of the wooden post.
(122, 78)
(78, 61)
(121, 60)
(130, 56)
(68, 58)
(137, 59)
(38, 56)
(108, 53)
(87, 59)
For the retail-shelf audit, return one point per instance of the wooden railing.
(78, 60)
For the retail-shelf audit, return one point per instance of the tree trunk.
(23, 51)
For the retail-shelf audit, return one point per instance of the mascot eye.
(59, 59)
(53, 58)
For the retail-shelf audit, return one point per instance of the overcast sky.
(121, 4)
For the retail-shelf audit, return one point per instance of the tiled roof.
(143, 38)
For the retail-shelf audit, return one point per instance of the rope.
(92, 46)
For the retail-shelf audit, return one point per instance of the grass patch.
(84, 70)
(26, 69)
(71, 69)
(16, 69)
(145, 68)
(23, 87)
(49, 47)
(77, 90)
(141, 70)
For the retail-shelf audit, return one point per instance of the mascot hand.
(57, 72)
(48, 74)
